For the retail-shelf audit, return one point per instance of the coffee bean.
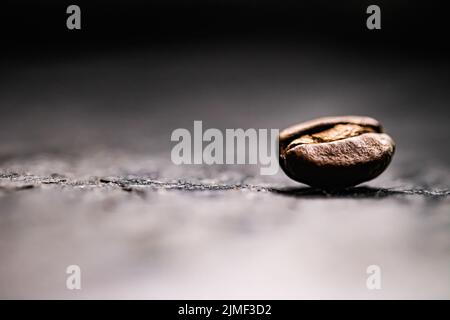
(335, 152)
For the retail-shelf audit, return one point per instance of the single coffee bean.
(335, 152)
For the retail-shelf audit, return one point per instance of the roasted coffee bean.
(335, 152)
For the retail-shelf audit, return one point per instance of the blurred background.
(144, 68)
(83, 109)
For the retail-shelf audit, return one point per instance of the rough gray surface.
(86, 179)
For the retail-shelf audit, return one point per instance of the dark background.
(139, 69)
(415, 27)
(171, 62)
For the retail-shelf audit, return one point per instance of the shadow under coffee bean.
(335, 152)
